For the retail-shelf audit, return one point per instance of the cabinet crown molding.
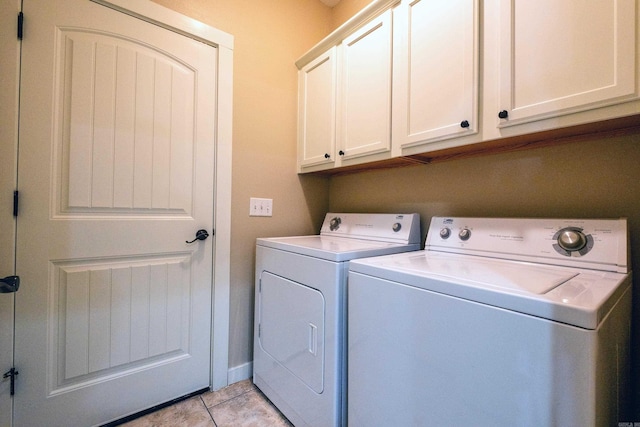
(334, 38)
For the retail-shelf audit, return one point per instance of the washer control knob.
(464, 234)
(334, 223)
(445, 232)
(397, 227)
(572, 240)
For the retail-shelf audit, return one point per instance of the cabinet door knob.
(503, 114)
(464, 124)
(327, 156)
(341, 152)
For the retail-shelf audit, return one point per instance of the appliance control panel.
(400, 228)
(589, 243)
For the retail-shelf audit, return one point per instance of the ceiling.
(330, 3)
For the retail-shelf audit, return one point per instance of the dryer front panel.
(291, 327)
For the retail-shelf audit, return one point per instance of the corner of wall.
(344, 10)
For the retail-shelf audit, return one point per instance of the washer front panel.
(418, 357)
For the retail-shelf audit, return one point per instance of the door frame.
(9, 92)
(174, 21)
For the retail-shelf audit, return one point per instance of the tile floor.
(239, 405)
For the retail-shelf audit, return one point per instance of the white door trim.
(171, 20)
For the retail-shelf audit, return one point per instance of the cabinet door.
(317, 84)
(365, 115)
(435, 77)
(560, 57)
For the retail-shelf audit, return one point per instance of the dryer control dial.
(464, 234)
(572, 239)
(445, 232)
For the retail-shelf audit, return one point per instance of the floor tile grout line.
(208, 408)
(259, 394)
(208, 411)
(231, 398)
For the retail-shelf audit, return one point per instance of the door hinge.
(20, 25)
(15, 203)
(11, 373)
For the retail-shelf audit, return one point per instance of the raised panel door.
(117, 170)
(435, 71)
(561, 57)
(365, 98)
(317, 85)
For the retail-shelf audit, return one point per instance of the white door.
(116, 167)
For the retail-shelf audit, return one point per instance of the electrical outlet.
(260, 207)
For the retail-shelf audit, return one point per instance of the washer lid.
(521, 278)
(569, 295)
(335, 248)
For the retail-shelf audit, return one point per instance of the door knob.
(200, 235)
(9, 284)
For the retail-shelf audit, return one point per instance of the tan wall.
(345, 10)
(587, 179)
(269, 37)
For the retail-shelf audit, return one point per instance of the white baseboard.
(240, 372)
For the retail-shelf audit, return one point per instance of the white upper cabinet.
(562, 57)
(435, 73)
(317, 84)
(365, 90)
(405, 78)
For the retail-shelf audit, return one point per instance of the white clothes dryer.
(498, 322)
(299, 335)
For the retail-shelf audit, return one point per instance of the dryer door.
(291, 327)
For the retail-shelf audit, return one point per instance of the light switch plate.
(260, 207)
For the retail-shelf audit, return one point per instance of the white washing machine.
(498, 322)
(299, 335)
